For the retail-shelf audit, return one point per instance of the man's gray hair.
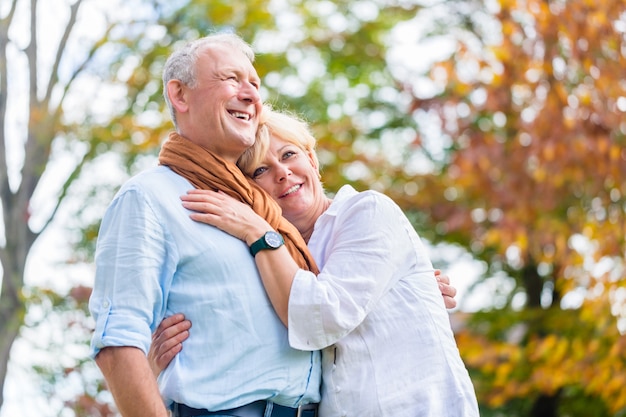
(181, 64)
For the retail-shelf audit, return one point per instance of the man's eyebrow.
(227, 70)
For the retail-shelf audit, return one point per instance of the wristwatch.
(270, 240)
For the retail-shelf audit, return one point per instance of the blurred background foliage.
(498, 125)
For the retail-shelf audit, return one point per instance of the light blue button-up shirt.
(152, 261)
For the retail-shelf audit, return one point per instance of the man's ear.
(176, 92)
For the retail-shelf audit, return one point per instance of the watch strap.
(270, 240)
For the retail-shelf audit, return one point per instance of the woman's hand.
(226, 213)
(447, 291)
(167, 341)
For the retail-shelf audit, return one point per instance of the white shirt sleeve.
(362, 259)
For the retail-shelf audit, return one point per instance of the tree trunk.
(11, 318)
(546, 406)
(12, 312)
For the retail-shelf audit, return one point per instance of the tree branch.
(5, 23)
(54, 74)
(68, 182)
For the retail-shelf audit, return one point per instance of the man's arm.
(131, 381)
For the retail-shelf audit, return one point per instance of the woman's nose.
(282, 173)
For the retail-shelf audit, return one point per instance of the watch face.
(273, 239)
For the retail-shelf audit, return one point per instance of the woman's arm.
(168, 338)
(366, 247)
(276, 267)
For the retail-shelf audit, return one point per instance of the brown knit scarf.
(208, 171)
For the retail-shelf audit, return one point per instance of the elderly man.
(152, 260)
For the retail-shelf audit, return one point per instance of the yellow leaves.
(616, 383)
(507, 4)
(619, 401)
(501, 53)
(549, 152)
(484, 163)
(581, 353)
(602, 144)
(550, 350)
(615, 153)
(597, 19)
(540, 174)
(498, 359)
(609, 378)
(492, 237)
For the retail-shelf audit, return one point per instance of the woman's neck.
(306, 223)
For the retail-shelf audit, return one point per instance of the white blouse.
(377, 313)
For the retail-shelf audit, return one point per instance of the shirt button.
(337, 389)
(105, 304)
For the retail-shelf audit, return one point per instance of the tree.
(47, 118)
(531, 108)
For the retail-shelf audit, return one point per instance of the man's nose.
(249, 92)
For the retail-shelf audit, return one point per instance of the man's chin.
(250, 140)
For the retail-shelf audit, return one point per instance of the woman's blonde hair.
(285, 126)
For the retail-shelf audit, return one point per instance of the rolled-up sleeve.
(131, 274)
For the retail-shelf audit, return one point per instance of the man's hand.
(167, 341)
(447, 291)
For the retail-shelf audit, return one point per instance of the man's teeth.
(238, 115)
(292, 190)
